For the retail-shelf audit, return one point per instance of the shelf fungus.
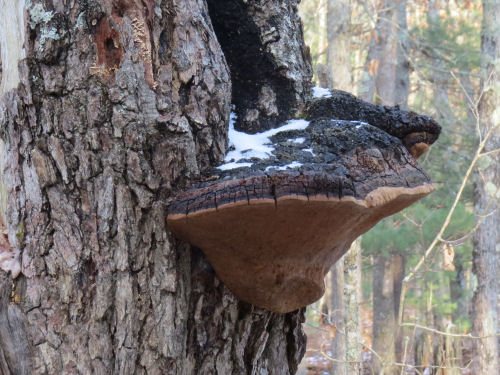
(278, 216)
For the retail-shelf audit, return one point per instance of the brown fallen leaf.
(448, 256)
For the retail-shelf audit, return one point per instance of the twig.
(489, 152)
(324, 354)
(460, 335)
(404, 354)
(438, 238)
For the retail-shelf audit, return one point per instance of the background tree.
(387, 72)
(486, 237)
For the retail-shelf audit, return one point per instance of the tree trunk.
(386, 80)
(403, 50)
(384, 317)
(398, 274)
(440, 76)
(385, 86)
(115, 107)
(458, 289)
(338, 52)
(352, 296)
(382, 50)
(341, 303)
(335, 303)
(485, 253)
(338, 70)
(367, 82)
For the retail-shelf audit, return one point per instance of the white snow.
(297, 140)
(321, 92)
(361, 124)
(309, 150)
(293, 164)
(233, 165)
(247, 146)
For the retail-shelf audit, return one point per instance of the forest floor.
(319, 347)
(319, 340)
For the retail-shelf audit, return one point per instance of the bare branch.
(459, 335)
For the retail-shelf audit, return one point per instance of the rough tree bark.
(116, 105)
(485, 253)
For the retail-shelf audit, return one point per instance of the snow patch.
(297, 140)
(360, 124)
(309, 150)
(248, 146)
(293, 164)
(233, 165)
(321, 92)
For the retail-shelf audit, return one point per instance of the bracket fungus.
(272, 224)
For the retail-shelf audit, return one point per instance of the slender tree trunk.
(367, 83)
(384, 317)
(344, 276)
(485, 255)
(378, 82)
(385, 81)
(398, 274)
(335, 280)
(339, 74)
(403, 64)
(458, 289)
(387, 65)
(440, 77)
(338, 52)
(116, 106)
(352, 296)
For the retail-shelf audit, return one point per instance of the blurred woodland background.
(418, 294)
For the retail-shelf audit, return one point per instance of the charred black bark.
(269, 63)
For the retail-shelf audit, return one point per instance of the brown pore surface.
(418, 143)
(418, 149)
(275, 253)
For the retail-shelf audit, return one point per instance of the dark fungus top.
(334, 158)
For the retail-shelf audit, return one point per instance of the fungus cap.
(274, 252)
(272, 233)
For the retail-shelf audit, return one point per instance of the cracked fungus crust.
(274, 253)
